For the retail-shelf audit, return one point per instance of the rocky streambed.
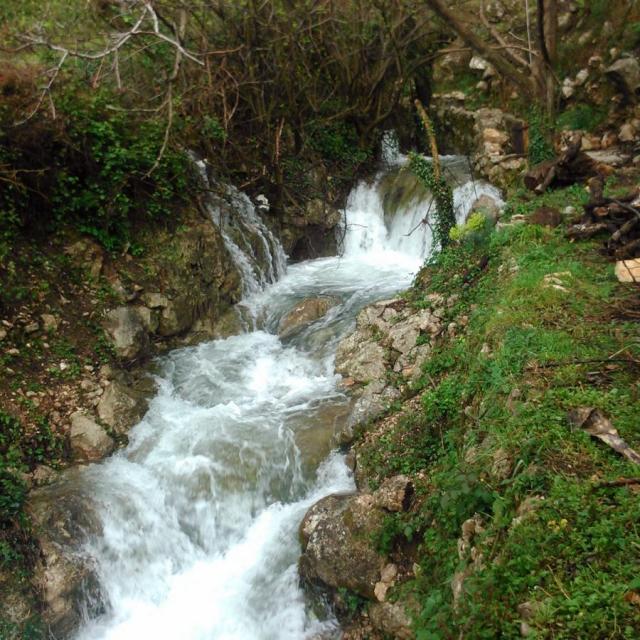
(192, 529)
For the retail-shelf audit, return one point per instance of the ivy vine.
(445, 218)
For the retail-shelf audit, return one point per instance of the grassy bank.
(543, 328)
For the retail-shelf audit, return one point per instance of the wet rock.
(43, 475)
(176, 317)
(127, 333)
(120, 407)
(63, 576)
(319, 212)
(336, 544)
(89, 441)
(304, 313)
(625, 73)
(394, 494)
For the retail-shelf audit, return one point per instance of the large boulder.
(304, 313)
(127, 333)
(625, 73)
(337, 550)
(88, 440)
(63, 576)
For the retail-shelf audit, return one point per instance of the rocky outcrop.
(64, 579)
(188, 284)
(495, 140)
(389, 336)
(304, 313)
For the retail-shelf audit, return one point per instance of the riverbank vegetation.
(523, 524)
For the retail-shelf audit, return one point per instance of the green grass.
(576, 555)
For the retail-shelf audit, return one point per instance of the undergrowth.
(491, 437)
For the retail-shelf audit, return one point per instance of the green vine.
(445, 218)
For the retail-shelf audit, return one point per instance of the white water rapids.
(200, 512)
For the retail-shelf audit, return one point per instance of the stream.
(200, 511)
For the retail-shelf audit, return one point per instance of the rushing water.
(200, 512)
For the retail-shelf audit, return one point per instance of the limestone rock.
(625, 73)
(360, 358)
(32, 327)
(155, 300)
(148, 317)
(486, 205)
(627, 133)
(87, 253)
(127, 333)
(394, 494)
(478, 64)
(319, 212)
(612, 157)
(50, 322)
(336, 544)
(43, 475)
(502, 464)
(89, 441)
(120, 408)
(374, 400)
(304, 313)
(176, 317)
(392, 620)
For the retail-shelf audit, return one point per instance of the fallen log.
(572, 166)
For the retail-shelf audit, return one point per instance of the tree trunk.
(510, 71)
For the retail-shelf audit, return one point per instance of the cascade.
(257, 254)
(199, 513)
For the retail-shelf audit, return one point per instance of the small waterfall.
(255, 251)
(384, 221)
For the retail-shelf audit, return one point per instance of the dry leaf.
(596, 424)
(633, 598)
